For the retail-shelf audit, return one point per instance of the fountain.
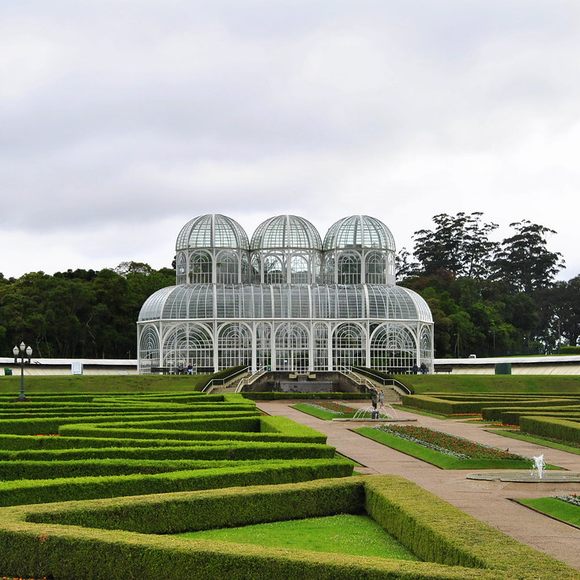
(539, 466)
(378, 413)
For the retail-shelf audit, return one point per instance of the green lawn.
(537, 440)
(343, 534)
(531, 384)
(435, 457)
(555, 508)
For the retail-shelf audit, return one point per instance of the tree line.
(78, 313)
(487, 297)
(491, 297)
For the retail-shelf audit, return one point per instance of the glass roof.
(359, 231)
(281, 301)
(212, 231)
(286, 232)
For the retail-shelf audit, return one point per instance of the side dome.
(212, 231)
(286, 232)
(359, 231)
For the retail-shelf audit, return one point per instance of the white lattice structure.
(286, 301)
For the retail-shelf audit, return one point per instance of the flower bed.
(447, 444)
(573, 498)
(334, 407)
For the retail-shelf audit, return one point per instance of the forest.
(487, 297)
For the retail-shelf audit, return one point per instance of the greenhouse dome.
(286, 249)
(212, 248)
(285, 302)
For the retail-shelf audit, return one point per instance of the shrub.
(43, 491)
(552, 428)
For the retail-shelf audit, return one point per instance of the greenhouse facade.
(285, 300)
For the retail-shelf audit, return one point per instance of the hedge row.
(272, 396)
(34, 426)
(23, 442)
(233, 450)
(268, 429)
(36, 541)
(435, 530)
(552, 428)
(447, 406)
(511, 415)
(43, 491)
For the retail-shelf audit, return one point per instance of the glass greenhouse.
(286, 300)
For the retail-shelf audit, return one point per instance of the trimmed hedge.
(553, 428)
(44, 491)
(52, 424)
(23, 442)
(37, 541)
(435, 530)
(268, 429)
(186, 512)
(233, 450)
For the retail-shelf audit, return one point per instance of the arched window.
(274, 271)
(299, 273)
(349, 269)
(149, 349)
(234, 346)
(393, 349)
(200, 268)
(291, 348)
(348, 346)
(227, 268)
(263, 345)
(320, 347)
(425, 345)
(375, 268)
(181, 269)
(188, 344)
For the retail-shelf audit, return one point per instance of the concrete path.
(488, 501)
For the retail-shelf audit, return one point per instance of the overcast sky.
(120, 120)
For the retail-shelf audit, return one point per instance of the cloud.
(123, 119)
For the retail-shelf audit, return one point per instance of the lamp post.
(22, 352)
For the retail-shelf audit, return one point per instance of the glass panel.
(234, 346)
(200, 268)
(393, 349)
(348, 346)
(292, 348)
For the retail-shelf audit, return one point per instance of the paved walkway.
(486, 500)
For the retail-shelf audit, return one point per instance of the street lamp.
(23, 352)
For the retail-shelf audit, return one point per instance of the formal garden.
(176, 483)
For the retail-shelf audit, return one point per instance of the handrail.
(246, 381)
(391, 381)
(222, 381)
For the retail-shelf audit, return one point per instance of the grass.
(343, 534)
(435, 457)
(531, 384)
(318, 412)
(555, 508)
(101, 383)
(537, 440)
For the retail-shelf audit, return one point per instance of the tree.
(459, 244)
(523, 261)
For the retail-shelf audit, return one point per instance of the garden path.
(488, 501)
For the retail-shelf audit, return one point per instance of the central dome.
(286, 232)
(359, 231)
